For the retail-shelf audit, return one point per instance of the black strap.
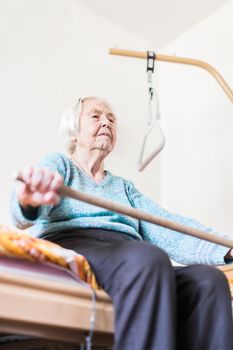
(150, 61)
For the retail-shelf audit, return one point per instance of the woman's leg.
(141, 282)
(203, 309)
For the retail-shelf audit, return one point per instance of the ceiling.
(158, 22)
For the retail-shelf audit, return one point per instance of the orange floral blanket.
(18, 244)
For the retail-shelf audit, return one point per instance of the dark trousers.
(157, 306)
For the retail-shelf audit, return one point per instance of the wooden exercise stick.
(66, 191)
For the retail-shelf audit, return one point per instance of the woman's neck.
(92, 163)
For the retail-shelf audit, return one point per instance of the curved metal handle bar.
(66, 191)
(182, 60)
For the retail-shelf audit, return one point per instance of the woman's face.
(97, 128)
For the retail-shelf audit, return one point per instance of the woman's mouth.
(105, 134)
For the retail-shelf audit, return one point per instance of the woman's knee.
(145, 255)
(216, 278)
(209, 278)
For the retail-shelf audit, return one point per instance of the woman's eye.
(95, 116)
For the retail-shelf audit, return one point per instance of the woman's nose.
(105, 122)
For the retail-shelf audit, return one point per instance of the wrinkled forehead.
(97, 106)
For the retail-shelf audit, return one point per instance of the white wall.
(197, 163)
(51, 52)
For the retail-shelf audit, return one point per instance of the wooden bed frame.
(49, 303)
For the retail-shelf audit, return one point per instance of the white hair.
(69, 124)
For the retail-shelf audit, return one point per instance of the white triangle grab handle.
(143, 163)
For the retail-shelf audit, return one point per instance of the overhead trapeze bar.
(181, 60)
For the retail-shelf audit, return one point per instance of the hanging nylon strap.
(153, 115)
(150, 61)
(150, 70)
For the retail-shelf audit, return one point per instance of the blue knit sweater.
(69, 214)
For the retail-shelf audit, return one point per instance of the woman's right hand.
(38, 186)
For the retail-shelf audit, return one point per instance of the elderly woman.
(156, 306)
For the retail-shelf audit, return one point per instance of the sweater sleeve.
(182, 248)
(54, 162)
